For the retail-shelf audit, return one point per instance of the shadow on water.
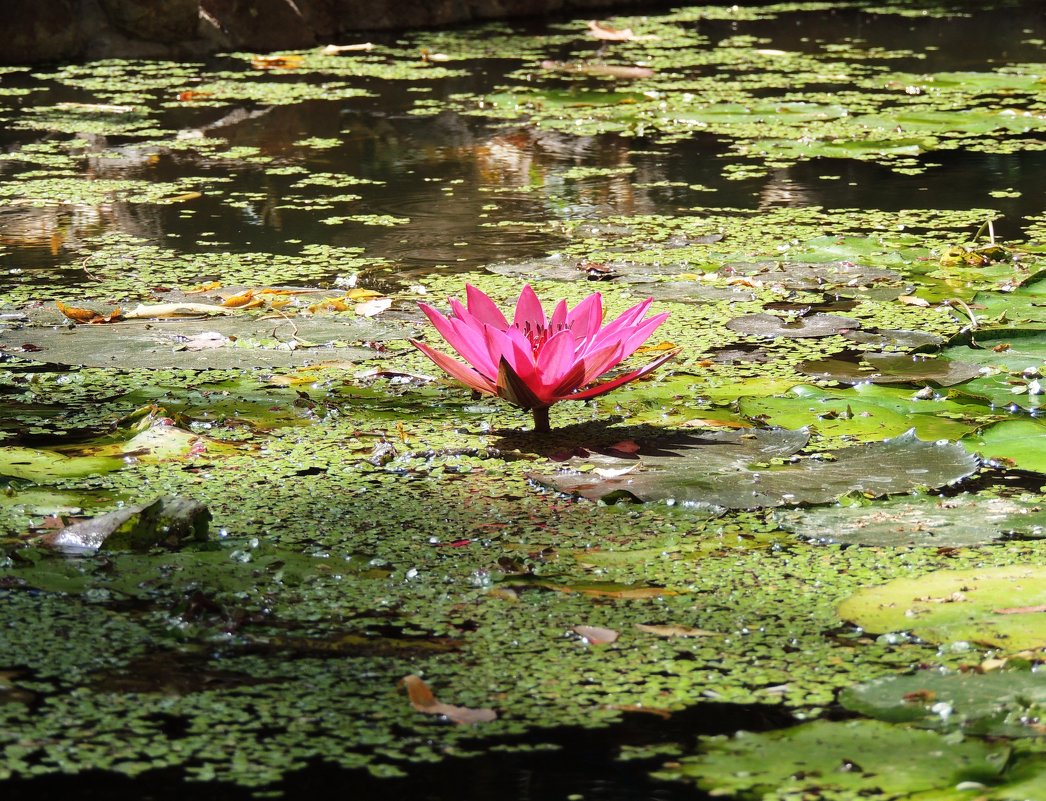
(564, 773)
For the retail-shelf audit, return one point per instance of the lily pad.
(1020, 443)
(811, 274)
(890, 338)
(770, 325)
(998, 704)
(718, 470)
(691, 292)
(865, 412)
(993, 606)
(927, 521)
(892, 368)
(160, 344)
(851, 759)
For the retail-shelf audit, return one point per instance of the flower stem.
(541, 425)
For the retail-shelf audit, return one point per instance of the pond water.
(821, 523)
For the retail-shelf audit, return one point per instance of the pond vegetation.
(802, 559)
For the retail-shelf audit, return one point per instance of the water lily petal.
(585, 318)
(559, 316)
(528, 310)
(555, 358)
(599, 362)
(641, 333)
(483, 308)
(599, 389)
(468, 343)
(466, 375)
(472, 347)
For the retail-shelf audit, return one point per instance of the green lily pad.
(46, 467)
(718, 470)
(837, 760)
(770, 325)
(995, 606)
(1020, 443)
(926, 521)
(865, 412)
(998, 704)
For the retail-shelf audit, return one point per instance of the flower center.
(538, 335)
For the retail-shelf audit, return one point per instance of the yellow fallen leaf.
(81, 315)
(210, 286)
(240, 299)
(184, 196)
(358, 293)
(289, 61)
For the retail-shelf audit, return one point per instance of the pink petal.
(570, 381)
(484, 308)
(599, 389)
(555, 358)
(602, 360)
(641, 333)
(465, 375)
(528, 310)
(585, 318)
(559, 316)
(467, 317)
(464, 340)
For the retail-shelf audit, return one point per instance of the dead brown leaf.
(602, 70)
(423, 700)
(1020, 610)
(600, 30)
(913, 300)
(596, 635)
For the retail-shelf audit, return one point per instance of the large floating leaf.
(1002, 704)
(1020, 443)
(43, 467)
(770, 325)
(165, 344)
(998, 606)
(892, 368)
(927, 521)
(718, 469)
(812, 274)
(851, 759)
(865, 412)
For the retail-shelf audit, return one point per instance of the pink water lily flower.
(535, 360)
